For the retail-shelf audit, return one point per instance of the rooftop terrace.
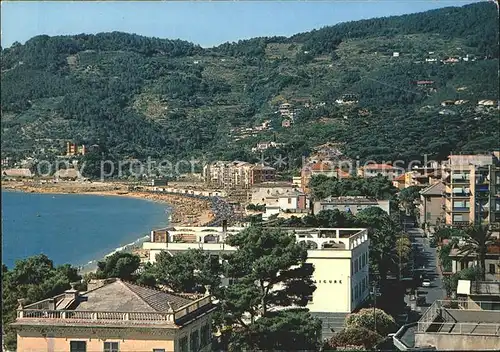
(447, 318)
(183, 238)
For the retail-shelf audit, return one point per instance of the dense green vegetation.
(378, 187)
(154, 97)
(32, 279)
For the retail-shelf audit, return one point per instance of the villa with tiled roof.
(114, 315)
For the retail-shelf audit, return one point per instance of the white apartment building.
(340, 257)
(237, 174)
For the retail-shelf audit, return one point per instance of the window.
(111, 347)
(492, 268)
(183, 344)
(158, 350)
(205, 335)
(78, 346)
(195, 341)
(289, 200)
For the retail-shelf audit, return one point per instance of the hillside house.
(424, 83)
(399, 182)
(451, 60)
(448, 102)
(347, 99)
(486, 103)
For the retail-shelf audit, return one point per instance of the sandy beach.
(185, 211)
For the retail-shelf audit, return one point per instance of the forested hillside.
(154, 97)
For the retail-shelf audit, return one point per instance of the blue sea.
(73, 229)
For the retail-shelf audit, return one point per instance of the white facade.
(288, 202)
(264, 190)
(340, 258)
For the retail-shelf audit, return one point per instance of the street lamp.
(375, 293)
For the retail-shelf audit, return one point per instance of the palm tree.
(383, 251)
(477, 239)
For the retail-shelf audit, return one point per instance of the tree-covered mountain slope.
(154, 97)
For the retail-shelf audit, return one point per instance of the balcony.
(461, 223)
(461, 209)
(482, 194)
(461, 181)
(459, 195)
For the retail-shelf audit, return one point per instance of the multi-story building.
(340, 258)
(74, 149)
(431, 206)
(372, 170)
(460, 261)
(237, 174)
(115, 315)
(350, 204)
(423, 176)
(472, 189)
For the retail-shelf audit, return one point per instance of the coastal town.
(334, 190)
(431, 208)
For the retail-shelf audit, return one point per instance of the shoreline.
(183, 211)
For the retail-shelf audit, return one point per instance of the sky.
(207, 23)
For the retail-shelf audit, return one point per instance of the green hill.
(142, 96)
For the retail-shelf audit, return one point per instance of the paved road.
(427, 257)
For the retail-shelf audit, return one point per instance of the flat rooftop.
(315, 238)
(349, 200)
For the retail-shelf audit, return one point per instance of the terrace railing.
(490, 329)
(96, 316)
(438, 309)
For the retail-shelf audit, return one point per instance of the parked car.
(426, 283)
